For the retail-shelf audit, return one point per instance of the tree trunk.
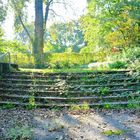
(39, 34)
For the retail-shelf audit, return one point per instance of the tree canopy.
(107, 27)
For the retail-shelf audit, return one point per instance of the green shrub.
(32, 103)
(130, 56)
(104, 91)
(19, 133)
(75, 108)
(85, 106)
(118, 65)
(135, 65)
(8, 106)
(68, 60)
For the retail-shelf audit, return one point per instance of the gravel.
(46, 124)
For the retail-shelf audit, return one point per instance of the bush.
(130, 55)
(61, 65)
(135, 65)
(118, 65)
(67, 60)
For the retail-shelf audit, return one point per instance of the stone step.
(97, 88)
(77, 73)
(90, 81)
(95, 99)
(67, 87)
(124, 84)
(74, 75)
(64, 93)
(69, 105)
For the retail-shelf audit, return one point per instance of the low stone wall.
(5, 67)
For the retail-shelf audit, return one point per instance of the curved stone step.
(67, 87)
(68, 76)
(71, 86)
(69, 105)
(70, 81)
(80, 73)
(64, 93)
(69, 99)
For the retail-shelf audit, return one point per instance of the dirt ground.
(45, 124)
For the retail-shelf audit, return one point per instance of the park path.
(48, 124)
(88, 126)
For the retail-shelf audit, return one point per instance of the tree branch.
(55, 13)
(48, 3)
(22, 23)
(26, 30)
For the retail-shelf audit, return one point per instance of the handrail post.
(9, 59)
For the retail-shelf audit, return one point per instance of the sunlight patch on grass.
(78, 70)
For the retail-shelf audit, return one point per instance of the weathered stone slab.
(6, 67)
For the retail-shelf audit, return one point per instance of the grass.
(84, 107)
(77, 70)
(7, 106)
(115, 132)
(104, 91)
(21, 133)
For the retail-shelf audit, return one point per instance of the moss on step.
(114, 132)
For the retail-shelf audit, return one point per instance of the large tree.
(39, 34)
(41, 19)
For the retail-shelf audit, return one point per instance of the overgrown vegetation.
(7, 106)
(20, 133)
(109, 32)
(84, 107)
(31, 104)
(106, 37)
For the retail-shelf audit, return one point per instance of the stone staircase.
(98, 88)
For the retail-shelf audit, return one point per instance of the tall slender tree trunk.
(38, 44)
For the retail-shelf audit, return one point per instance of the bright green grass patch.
(58, 70)
(115, 132)
(78, 70)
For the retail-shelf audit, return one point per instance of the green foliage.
(32, 103)
(75, 107)
(19, 9)
(64, 36)
(133, 103)
(19, 53)
(110, 31)
(111, 24)
(118, 65)
(8, 106)
(107, 106)
(135, 65)
(133, 106)
(19, 133)
(104, 91)
(67, 60)
(130, 57)
(13, 47)
(3, 11)
(115, 132)
(43, 71)
(60, 65)
(84, 107)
